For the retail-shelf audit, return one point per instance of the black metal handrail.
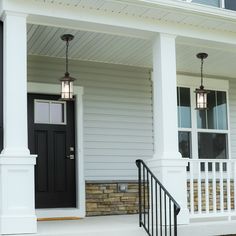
(158, 210)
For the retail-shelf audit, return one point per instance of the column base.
(172, 174)
(17, 207)
(18, 224)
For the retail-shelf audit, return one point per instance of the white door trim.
(79, 211)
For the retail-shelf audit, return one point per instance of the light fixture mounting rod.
(67, 38)
(202, 56)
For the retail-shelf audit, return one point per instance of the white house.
(136, 72)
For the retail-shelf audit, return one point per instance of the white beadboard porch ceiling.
(115, 49)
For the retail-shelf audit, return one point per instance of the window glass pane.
(222, 110)
(57, 113)
(41, 112)
(184, 110)
(212, 146)
(215, 3)
(215, 117)
(178, 106)
(230, 4)
(185, 144)
(201, 119)
(211, 112)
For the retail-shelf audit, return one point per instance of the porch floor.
(125, 225)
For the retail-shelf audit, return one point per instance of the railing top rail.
(138, 162)
(212, 160)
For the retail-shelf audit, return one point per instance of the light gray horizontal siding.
(232, 117)
(117, 113)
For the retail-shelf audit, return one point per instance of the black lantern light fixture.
(201, 93)
(67, 80)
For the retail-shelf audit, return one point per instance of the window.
(49, 112)
(184, 121)
(207, 132)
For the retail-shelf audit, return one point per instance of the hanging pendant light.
(67, 80)
(201, 93)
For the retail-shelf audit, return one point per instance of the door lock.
(71, 157)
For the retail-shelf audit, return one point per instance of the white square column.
(17, 207)
(167, 163)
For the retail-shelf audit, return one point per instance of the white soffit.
(115, 49)
(89, 46)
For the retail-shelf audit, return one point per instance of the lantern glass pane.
(67, 89)
(201, 100)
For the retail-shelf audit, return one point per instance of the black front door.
(52, 137)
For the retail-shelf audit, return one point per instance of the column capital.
(6, 13)
(164, 35)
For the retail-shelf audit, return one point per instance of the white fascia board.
(109, 22)
(186, 7)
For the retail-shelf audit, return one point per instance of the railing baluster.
(214, 186)
(228, 171)
(191, 188)
(160, 211)
(170, 217)
(234, 179)
(155, 201)
(152, 204)
(156, 209)
(165, 216)
(221, 188)
(207, 187)
(148, 200)
(199, 192)
(144, 196)
(139, 194)
(175, 220)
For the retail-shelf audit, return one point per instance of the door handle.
(71, 157)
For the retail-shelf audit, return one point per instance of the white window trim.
(193, 82)
(79, 210)
(50, 120)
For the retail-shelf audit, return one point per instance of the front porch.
(132, 84)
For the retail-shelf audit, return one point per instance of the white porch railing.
(211, 188)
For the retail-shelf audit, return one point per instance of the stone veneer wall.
(106, 199)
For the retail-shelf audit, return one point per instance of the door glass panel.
(41, 113)
(185, 144)
(212, 146)
(57, 113)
